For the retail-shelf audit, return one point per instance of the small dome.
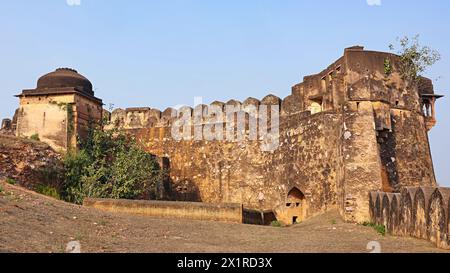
(65, 77)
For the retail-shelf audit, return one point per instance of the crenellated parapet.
(358, 76)
(200, 115)
(421, 212)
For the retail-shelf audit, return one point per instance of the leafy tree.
(415, 59)
(109, 164)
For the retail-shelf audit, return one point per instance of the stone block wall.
(241, 172)
(181, 210)
(361, 160)
(420, 212)
(350, 129)
(410, 149)
(46, 117)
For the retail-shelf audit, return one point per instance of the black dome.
(65, 77)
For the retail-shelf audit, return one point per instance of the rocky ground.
(27, 162)
(30, 222)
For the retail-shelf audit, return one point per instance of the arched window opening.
(296, 205)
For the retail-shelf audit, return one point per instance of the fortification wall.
(412, 156)
(361, 160)
(307, 158)
(421, 212)
(182, 210)
(352, 128)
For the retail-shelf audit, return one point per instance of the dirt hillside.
(30, 222)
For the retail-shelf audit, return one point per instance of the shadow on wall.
(387, 145)
(184, 190)
(257, 217)
(421, 212)
(187, 191)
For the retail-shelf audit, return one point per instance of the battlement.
(421, 212)
(358, 75)
(216, 112)
(354, 127)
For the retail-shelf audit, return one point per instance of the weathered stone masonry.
(352, 128)
(421, 212)
(59, 109)
(343, 132)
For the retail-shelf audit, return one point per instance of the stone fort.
(348, 130)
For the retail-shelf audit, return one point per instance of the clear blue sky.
(161, 53)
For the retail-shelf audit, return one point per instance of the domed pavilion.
(59, 110)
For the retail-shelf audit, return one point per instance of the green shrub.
(1, 189)
(381, 229)
(51, 175)
(48, 191)
(333, 222)
(109, 165)
(35, 137)
(387, 67)
(276, 224)
(11, 181)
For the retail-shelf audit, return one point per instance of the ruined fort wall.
(325, 88)
(211, 171)
(382, 159)
(367, 79)
(384, 148)
(410, 149)
(352, 128)
(309, 159)
(386, 144)
(362, 164)
(399, 121)
(241, 172)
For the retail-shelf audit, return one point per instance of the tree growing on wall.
(415, 58)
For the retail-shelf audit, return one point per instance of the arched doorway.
(296, 206)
